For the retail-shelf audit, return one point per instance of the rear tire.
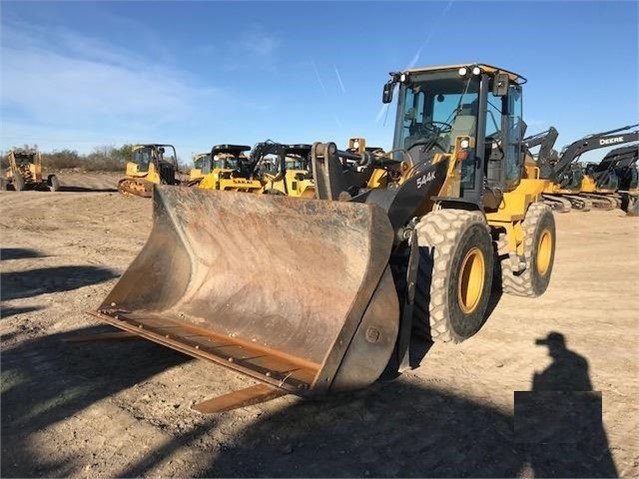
(633, 206)
(455, 275)
(18, 182)
(3, 184)
(53, 183)
(539, 253)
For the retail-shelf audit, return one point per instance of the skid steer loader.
(229, 169)
(25, 171)
(291, 174)
(322, 295)
(152, 165)
(270, 168)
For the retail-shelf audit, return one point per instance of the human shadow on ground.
(25, 284)
(48, 380)
(19, 253)
(397, 429)
(559, 423)
(402, 428)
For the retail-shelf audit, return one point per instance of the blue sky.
(80, 75)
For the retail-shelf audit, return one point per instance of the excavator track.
(602, 202)
(578, 203)
(135, 187)
(558, 204)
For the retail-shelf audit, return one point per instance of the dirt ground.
(105, 409)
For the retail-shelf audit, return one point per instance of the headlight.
(476, 70)
(464, 144)
(463, 71)
(356, 145)
(403, 77)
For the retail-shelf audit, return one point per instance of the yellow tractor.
(323, 295)
(25, 171)
(201, 163)
(152, 165)
(289, 173)
(286, 169)
(227, 169)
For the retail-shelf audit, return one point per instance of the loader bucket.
(295, 293)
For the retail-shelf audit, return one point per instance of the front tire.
(454, 276)
(18, 182)
(539, 253)
(53, 183)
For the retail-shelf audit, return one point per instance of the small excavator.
(567, 176)
(25, 171)
(151, 166)
(616, 173)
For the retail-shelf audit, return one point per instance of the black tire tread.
(522, 285)
(440, 230)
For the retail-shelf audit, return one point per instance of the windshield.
(142, 157)
(296, 163)
(23, 159)
(198, 162)
(226, 162)
(434, 109)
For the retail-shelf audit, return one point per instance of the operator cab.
(230, 157)
(298, 157)
(471, 112)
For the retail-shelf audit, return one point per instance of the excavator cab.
(323, 295)
(152, 164)
(25, 171)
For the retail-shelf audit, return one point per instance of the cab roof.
(514, 77)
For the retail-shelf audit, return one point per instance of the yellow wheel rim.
(544, 252)
(471, 280)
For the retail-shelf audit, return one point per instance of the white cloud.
(57, 78)
(260, 43)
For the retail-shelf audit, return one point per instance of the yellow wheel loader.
(322, 295)
(152, 165)
(25, 171)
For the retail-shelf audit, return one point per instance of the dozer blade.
(297, 294)
(135, 187)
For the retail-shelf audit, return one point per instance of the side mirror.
(500, 84)
(387, 95)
